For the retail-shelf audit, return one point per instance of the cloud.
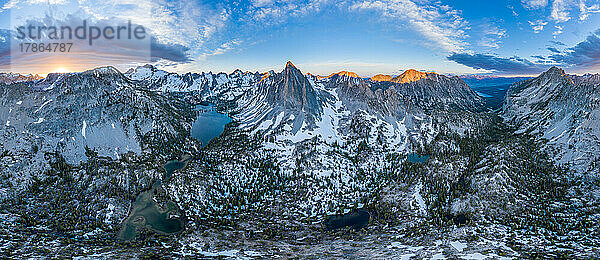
(534, 4)
(85, 53)
(559, 30)
(51, 2)
(440, 24)
(538, 25)
(261, 3)
(492, 36)
(187, 23)
(179, 30)
(552, 49)
(585, 54)
(4, 47)
(276, 11)
(170, 52)
(560, 10)
(9, 5)
(585, 10)
(222, 49)
(514, 65)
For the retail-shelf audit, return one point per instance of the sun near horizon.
(61, 70)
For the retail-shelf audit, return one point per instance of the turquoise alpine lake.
(415, 158)
(209, 124)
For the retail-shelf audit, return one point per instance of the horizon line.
(249, 71)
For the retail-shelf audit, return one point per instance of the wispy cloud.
(440, 24)
(585, 10)
(563, 10)
(222, 49)
(277, 11)
(4, 47)
(8, 5)
(538, 25)
(560, 10)
(534, 4)
(491, 36)
(554, 50)
(172, 22)
(559, 30)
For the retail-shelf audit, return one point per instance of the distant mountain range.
(9, 78)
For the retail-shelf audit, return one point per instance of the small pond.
(147, 213)
(415, 158)
(356, 219)
(172, 166)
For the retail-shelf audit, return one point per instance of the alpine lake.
(167, 218)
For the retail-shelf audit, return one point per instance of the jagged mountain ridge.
(445, 86)
(562, 109)
(344, 98)
(9, 78)
(301, 100)
(100, 109)
(221, 85)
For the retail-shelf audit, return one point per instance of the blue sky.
(515, 37)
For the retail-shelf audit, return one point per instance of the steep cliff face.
(292, 90)
(562, 109)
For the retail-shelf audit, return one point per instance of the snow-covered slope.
(221, 85)
(562, 109)
(98, 110)
(290, 106)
